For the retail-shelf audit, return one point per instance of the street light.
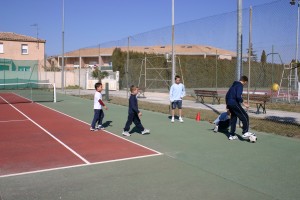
(173, 54)
(293, 2)
(63, 48)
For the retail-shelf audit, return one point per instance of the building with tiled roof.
(9, 36)
(19, 48)
(102, 56)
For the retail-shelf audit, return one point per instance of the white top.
(97, 96)
(177, 92)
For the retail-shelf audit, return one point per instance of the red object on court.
(198, 117)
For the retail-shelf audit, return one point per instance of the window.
(1, 48)
(24, 49)
(24, 68)
(4, 68)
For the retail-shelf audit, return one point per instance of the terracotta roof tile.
(9, 36)
(181, 49)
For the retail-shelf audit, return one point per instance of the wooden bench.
(259, 99)
(200, 94)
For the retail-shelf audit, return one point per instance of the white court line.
(67, 147)
(159, 153)
(88, 163)
(75, 166)
(19, 120)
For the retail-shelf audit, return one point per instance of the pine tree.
(263, 58)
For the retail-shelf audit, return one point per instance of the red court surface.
(36, 138)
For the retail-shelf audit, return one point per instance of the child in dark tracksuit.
(134, 114)
(233, 101)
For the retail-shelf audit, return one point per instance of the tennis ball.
(275, 87)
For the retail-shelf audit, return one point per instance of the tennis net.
(27, 92)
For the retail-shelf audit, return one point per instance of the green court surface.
(196, 163)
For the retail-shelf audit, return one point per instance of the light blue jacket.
(222, 117)
(177, 92)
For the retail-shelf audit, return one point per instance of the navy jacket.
(133, 105)
(234, 94)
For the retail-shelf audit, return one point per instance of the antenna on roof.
(37, 33)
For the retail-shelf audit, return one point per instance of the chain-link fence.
(272, 60)
(205, 57)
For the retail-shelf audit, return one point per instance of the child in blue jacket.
(134, 114)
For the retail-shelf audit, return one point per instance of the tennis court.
(35, 138)
(194, 163)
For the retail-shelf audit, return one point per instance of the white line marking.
(75, 166)
(67, 147)
(88, 163)
(17, 120)
(103, 130)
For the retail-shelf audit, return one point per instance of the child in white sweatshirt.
(177, 92)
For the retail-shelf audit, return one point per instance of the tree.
(99, 74)
(263, 58)
(118, 61)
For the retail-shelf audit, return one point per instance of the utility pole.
(239, 41)
(173, 53)
(63, 46)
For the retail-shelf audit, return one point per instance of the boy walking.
(134, 114)
(233, 101)
(98, 112)
(177, 92)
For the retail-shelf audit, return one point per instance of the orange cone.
(198, 117)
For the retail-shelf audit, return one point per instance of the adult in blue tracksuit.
(233, 101)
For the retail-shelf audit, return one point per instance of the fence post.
(106, 91)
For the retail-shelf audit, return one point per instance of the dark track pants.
(238, 112)
(133, 117)
(98, 117)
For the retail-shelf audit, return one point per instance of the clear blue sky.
(91, 22)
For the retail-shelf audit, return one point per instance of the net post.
(54, 91)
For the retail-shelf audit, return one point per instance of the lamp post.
(173, 53)
(293, 2)
(63, 48)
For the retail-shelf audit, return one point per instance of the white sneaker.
(125, 133)
(232, 137)
(216, 129)
(247, 134)
(100, 127)
(93, 129)
(180, 119)
(145, 131)
(172, 120)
